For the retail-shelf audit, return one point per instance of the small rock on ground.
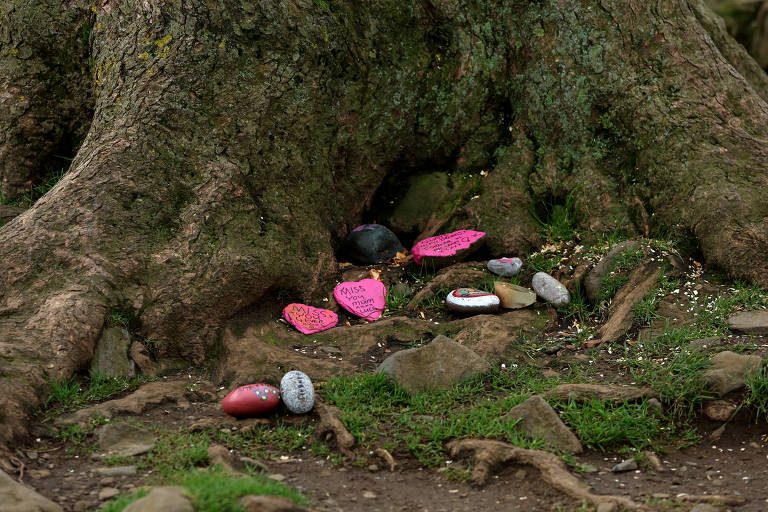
(729, 370)
(539, 419)
(607, 507)
(720, 410)
(550, 289)
(749, 322)
(625, 465)
(111, 355)
(253, 503)
(437, 365)
(107, 493)
(125, 440)
(162, 499)
(15, 496)
(116, 471)
(704, 507)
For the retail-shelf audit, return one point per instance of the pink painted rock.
(309, 320)
(446, 249)
(251, 399)
(364, 298)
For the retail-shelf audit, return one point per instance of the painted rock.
(364, 298)
(251, 399)
(446, 249)
(371, 243)
(309, 320)
(297, 392)
(550, 289)
(505, 267)
(470, 300)
(513, 296)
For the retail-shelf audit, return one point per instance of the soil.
(732, 465)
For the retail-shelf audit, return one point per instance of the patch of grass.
(676, 375)
(756, 396)
(395, 301)
(281, 436)
(73, 393)
(712, 317)
(217, 491)
(175, 453)
(119, 503)
(375, 410)
(645, 311)
(560, 220)
(30, 196)
(606, 426)
(543, 262)
(437, 300)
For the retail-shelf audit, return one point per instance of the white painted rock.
(505, 267)
(297, 392)
(550, 289)
(470, 300)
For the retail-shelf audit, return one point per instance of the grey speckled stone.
(297, 392)
(550, 289)
(15, 497)
(749, 322)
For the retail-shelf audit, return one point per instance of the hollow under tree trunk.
(232, 144)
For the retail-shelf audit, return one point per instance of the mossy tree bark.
(227, 147)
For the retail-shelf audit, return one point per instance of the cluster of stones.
(296, 392)
(507, 295)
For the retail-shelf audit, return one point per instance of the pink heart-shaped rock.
(309, 320)
(442, 246)
(364, 298)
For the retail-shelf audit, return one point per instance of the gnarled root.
(488, 454)
(331, 426)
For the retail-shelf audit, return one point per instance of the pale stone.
(513, 296)
(550, 289)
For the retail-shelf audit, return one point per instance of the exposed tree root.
(388, 458)
(488, 454)
(725, 499)
(641, 281)
(331, 426)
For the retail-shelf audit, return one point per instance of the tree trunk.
(230, 146)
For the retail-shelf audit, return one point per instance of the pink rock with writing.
(446, 248)
(309, 320)
(364, 298)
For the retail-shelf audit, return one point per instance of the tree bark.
(231, 146)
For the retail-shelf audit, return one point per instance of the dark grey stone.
(371, 243)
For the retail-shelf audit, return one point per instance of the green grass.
(216, 491)
(606, 426)
(30, 196)
(72, 393)
(377, 411)
(560, 220)
(175, 453)
(395, 301)
(674, 372)
(756, 397)
(543, 262)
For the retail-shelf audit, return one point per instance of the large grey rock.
(111, 356)
(15, 497)
(125, 440)
(550, 289)
(437, 365)
(539, 419)
(749, 322)
(594, 278)
(162, 499)
(729, 371)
